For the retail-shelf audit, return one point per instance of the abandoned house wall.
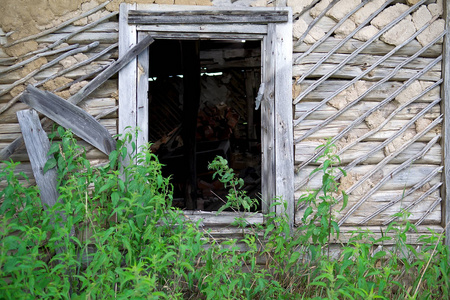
(366, 74)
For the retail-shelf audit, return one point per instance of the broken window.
(242, 54)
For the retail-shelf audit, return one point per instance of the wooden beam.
(207, 17)
(70, 116)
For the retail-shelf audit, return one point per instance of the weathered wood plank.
(284, 156)
(205, 28)
(336, 127)
(206, 35)
(353, 113)
(323, 91)
(376, 47)
(82, 38)
(44, 74)
(127, 76)
(38, 145)
(405, 179)
(304, 150)
(446, 125)
(382, 198)
(225, 218)
(350, 72)
(70, 116)
(206, 17)
(365, 60)
(109, 124)
(267, 121)
(107, 26)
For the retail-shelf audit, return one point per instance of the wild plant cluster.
(114, 235)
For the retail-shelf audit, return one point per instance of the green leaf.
(53, 148)
(50, 164)
(344, 200)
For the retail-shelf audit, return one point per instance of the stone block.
(399, 33)
(421, 16)
(412, 2)
(343, 7)
(299, 28)
(319, 7)
(347, 27)
(362, 14)
(431, 32)
(436, 9)
(410, 92)
(388, 15)
(366, 33)
(298, 5)
(68, 62)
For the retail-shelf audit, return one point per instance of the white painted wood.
(128, 75)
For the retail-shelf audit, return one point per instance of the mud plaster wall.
(25, 18)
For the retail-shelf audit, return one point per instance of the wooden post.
(445, 141)
(191, 102)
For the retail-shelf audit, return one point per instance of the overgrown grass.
(114, 235)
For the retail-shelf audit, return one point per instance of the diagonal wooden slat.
(415, 202)
(373, 87)
(330, 32)
(354, 54)
(361, 118)
(314, 22)
(379, 127)
(372, 67)
(387, 177)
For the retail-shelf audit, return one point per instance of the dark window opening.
(227, 123)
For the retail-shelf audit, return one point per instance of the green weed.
(114, 235)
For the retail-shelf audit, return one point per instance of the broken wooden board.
(70, 116)
(38, 145)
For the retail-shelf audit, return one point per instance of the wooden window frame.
(273, 27)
